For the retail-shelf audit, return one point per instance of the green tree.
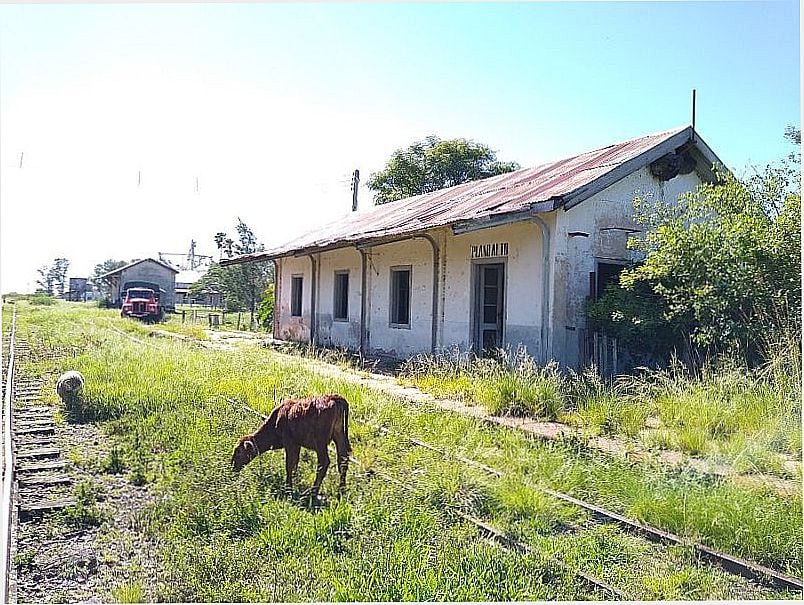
(53, 277)
(265, 308)
(721, 267)
(433, 164)
(102, 269)
(241, 285)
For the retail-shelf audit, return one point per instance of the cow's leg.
(291, 463)
(342, 448)
(321, 471)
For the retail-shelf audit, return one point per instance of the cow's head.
(244, 453)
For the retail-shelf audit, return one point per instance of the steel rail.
(8, 463)
(742, 567)
(499, 536)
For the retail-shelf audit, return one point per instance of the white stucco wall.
(332, 332)
(384, 338)
(606, 218)
(296, 329)
(524, 275)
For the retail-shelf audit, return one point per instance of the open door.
(489, 308)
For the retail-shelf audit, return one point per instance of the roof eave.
(498, 220)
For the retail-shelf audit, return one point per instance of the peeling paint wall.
(296, 329)
(384, 338)
(607, 218)
(332, 332)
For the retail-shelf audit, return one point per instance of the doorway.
(489, 307)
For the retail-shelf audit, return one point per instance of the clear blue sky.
(272, 105)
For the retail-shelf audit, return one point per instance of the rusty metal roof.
(542, 188)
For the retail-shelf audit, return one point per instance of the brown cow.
(311, 422)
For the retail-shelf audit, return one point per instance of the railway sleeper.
(30, 440)
(30, 409)
(36, 430)
(33, 417)
(32, 424)
(44, 452)
(42, 507)
(23, 385)
(37, 467)
(44, 480)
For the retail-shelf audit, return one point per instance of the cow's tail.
(344, 407)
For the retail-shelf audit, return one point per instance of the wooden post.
(182, 315)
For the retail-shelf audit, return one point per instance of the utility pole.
(355, 183)
(693, 115)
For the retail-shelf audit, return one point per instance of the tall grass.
(510, 383)
(750, 418)
(226, 537)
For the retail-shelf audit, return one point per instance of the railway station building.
(505, 262)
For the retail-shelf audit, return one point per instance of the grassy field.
(223, 537)
(748, 419)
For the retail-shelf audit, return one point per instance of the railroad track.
(34, 479)
(747, 569)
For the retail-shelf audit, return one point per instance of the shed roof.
(136, 262)
(542, 188)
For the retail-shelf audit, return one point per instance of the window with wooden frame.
(400, 297)
(340, 309)
(296, 285)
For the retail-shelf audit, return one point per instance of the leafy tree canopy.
(52, 278)
(433, 164)
(243, 285)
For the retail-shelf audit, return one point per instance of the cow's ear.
(273, 420)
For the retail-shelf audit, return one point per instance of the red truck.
(142, 303)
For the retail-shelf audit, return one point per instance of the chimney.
(355, 183)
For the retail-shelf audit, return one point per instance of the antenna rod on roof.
(693, 115)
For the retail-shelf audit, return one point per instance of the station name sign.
(489, 250)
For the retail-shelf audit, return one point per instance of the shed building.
(207, 297)
(506, 261)
(142, 272)
(78, 289)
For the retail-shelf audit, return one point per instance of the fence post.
(182, 315)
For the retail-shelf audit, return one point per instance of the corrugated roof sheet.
(498, 195)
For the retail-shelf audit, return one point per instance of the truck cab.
(142, 303)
